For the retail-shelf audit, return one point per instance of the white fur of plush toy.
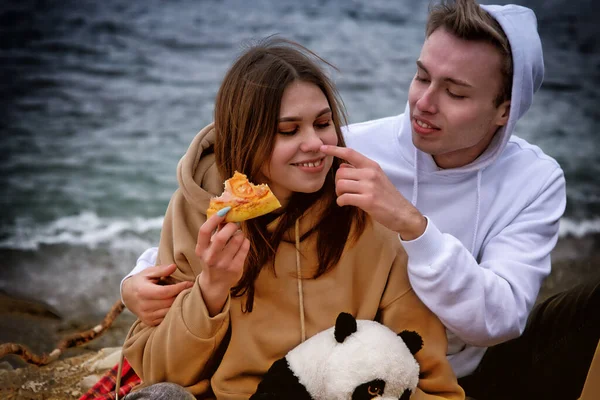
(355, 359)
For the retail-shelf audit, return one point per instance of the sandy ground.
(62, 379)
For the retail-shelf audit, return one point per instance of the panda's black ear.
(413, 341)
(345, 325)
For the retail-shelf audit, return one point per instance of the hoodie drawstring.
(119, 374)
(477, 209)
(299, 279)
(415, 182)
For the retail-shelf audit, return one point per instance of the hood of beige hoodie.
(197, 172)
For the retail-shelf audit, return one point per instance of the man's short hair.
(466, 20)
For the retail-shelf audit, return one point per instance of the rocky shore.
(40, 328)
(68, 378)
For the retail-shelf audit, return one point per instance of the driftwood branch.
(73, 340)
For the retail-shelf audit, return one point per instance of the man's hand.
(362, 183)
(148, 300)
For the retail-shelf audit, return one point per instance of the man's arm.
(145, 260)
(488, 302)
(484, 302)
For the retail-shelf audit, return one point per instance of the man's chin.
(422, 145)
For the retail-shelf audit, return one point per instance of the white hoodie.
(491, 224)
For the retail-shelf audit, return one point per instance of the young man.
(483, 212)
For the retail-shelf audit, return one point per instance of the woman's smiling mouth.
(310, 164)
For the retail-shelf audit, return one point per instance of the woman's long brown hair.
(246, 123)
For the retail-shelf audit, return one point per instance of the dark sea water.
(99, 100)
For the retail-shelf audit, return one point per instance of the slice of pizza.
(245, 199)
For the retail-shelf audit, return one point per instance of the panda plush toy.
(354, 360)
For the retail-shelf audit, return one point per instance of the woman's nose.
(312, 141)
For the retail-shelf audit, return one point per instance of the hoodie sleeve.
(488, 301)
(401, 309)
(181, 349)
(185, 347)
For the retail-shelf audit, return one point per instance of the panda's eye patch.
(369, 390)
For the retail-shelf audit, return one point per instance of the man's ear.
(503, 113)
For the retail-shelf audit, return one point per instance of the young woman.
(261, 288)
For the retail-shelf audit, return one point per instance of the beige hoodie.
(224, 356)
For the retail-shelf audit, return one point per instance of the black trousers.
(552, 357)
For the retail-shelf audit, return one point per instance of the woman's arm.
(181, 348)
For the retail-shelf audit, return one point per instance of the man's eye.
(418, 78)
(455, 96)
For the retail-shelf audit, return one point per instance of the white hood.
(528, 73)
(528, 70)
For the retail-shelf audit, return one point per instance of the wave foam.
(85, 229)
(89, 230)
(569, 227)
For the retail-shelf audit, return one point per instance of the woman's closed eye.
(288, 132)
(323, 125)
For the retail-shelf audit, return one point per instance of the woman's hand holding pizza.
(223, 254)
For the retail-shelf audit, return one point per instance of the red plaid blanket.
(105, 388)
